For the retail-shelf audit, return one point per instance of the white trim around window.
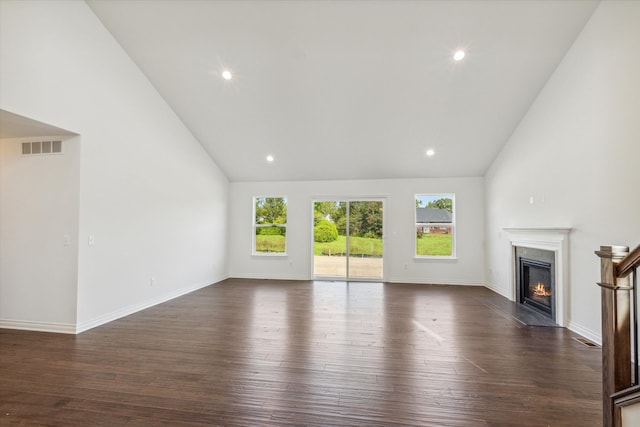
(269, 230)
(437, 224)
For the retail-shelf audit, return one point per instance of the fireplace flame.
(540, 290)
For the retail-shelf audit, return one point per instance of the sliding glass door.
(365, 239)
(347, 238)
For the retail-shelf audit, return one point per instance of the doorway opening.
(348, 239)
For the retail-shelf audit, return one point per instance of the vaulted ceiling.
(347, 89)
(16, 126)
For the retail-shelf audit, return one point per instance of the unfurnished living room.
(319, 213)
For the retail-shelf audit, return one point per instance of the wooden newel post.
(616, 327)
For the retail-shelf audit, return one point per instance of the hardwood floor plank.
(277, 353)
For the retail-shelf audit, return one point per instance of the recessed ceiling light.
(226, 74)
(430, 152)
(459, 55)
(270, 158)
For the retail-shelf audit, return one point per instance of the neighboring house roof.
(426, 215)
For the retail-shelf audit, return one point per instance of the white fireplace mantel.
(551, 239)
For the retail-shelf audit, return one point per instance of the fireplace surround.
(535, 284)
(548, 246)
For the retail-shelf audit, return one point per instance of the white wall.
(399, 228)
(577, 152)
(153, 200)
(39, 236)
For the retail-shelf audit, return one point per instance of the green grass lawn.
(358, 246)
(435, 244)
(266, 243)
(428, 244)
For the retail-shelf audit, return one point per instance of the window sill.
(435, 258)
(269, 254)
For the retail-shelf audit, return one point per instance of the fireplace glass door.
(536, 286)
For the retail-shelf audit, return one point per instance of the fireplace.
(546, 245)
(536, 285)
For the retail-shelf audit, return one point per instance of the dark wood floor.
(269, 353)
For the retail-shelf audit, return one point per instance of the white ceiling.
(16, 126)
(347, 89)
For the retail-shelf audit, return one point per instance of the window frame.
(454, 231)
(255, 227)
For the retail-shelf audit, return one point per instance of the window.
(435, 225)
(270, 225)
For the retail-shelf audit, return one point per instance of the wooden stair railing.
(623, 399)
(618, 305)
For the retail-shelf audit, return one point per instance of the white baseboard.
(585, 332)
(572, 326)
(69, 328)
(263, 277)
(498, 290)
(29, 325)
(126, 311)
(423, 281)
